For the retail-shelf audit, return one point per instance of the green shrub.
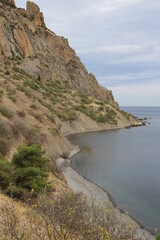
(61, 115)
(23, 89)
(5, 112)
(4, 128)
(80, 108)
(101, 108)
(4, 145)
(12, 98)
(43, 103)
(55, 132)
(51, 117)
(5, 172)
(31, 84)
(32, 135)
(125, 114)
(7, 73)
(38, 116)
(109, 117)
(16, 69)
(21, 113)
(2, 51)
(33, 106)
(101, 118)
(16, 76)
(15, 191)
(30, 168)
(86, 100)
(11, 94)
(158, 237)
(1, 94)
(100, 103)
(71, 116)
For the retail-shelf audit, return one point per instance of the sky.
(117, 40)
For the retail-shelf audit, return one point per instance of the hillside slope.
(45, 90)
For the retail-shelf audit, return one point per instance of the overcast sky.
(117, 40)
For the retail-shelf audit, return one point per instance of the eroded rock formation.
(34, 14)
(23, 35)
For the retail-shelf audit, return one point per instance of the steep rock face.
(10, 2)
(34, 14)
(23, 35)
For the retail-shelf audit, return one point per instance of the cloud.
(112, 49)
(139, 95)
(118, 40)
(130, 78)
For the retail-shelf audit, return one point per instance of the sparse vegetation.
(67, 216)
(16, 77)
(1, 94)
(31, 84)
(5, 135)
(5, 173)
(32, 135)
(33, 106)
(108, 117)
(125, 114)
(21, 113)
(7, 72)
(5, 112)
(51, 117)
(86, 100)
(24, 89)
(11, 94)
(55, 132)
(2, 51)
(37, 116)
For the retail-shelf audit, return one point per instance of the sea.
(126, 164)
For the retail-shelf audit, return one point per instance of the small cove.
(126, 163)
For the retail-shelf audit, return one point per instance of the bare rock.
(23, 42)
(13, 2)
(62, 163)
(34, 14)
(23, 35)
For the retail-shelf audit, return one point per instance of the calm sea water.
(126, 163)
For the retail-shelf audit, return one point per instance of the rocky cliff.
(45, 90)
(24, 35)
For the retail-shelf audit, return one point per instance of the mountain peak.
(34, 14)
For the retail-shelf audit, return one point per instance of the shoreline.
(79, 184)
(103, 129)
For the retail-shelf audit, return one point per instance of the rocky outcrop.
(23, 35)
(34, 14)
(9, 2)
(12, 1)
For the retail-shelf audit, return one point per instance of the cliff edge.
(45, 90)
